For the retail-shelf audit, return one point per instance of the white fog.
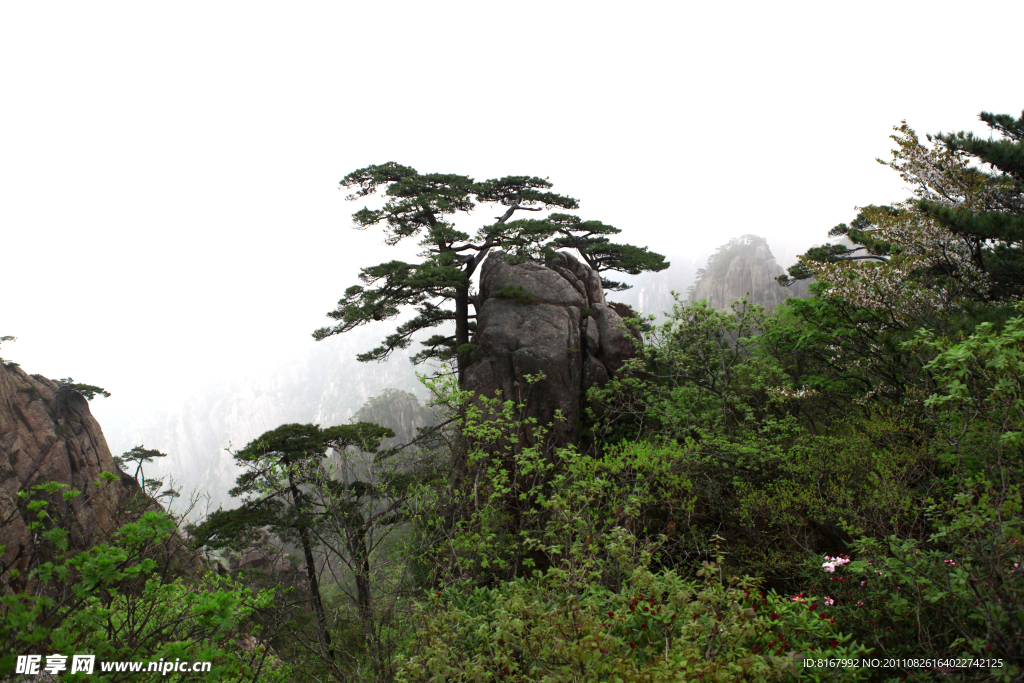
(172, 228)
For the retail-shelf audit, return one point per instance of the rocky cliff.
(398, 410)
(47, 433)
(742, 267)
(551, 319)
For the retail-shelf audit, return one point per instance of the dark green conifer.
(438, 287)
(279, 468)
(996, 231)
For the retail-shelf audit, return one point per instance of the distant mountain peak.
(742, 267)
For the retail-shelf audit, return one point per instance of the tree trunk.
(462, 329)
(364, 598)
(314, 585)
(361, 558)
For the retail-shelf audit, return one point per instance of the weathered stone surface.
(563, 328)
(586, 280)
(591, 334)
(537, 281)
(617, 343)
(263, 555)
(743, 267)
(50, 435)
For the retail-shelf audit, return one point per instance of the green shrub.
(958, 594)
(112, 602)
(658, 627)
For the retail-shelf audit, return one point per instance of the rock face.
(398, 410)
(265, 556)
(743, 267)
(47, 433)
(551, 319)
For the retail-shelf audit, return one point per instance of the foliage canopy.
(438, 287)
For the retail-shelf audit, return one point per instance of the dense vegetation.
(838, 479)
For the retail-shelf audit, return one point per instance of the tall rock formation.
(400, 411)
(742, 267)
(47, 433)
(551, 319)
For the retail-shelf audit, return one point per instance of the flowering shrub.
(917, 248)
(905, 600)
(831, 563)
(658, 627)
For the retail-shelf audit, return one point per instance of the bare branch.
(508, 214)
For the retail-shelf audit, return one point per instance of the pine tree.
(995, 225)
(866, 247)
(139, 456)
(280, 466)
(963, 231)
(424, 205)
(589, 239)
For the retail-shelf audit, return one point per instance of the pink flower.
(831, 563)
(829, 601)
(949, 563)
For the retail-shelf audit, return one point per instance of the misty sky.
(169, 211)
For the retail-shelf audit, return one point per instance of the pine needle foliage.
(438, 287)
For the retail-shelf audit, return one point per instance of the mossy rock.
(514, 293)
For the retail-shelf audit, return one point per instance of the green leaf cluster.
(89, 391)
(110, 601)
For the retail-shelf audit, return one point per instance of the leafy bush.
(953, 588)
(659, 627)
(111, 601)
